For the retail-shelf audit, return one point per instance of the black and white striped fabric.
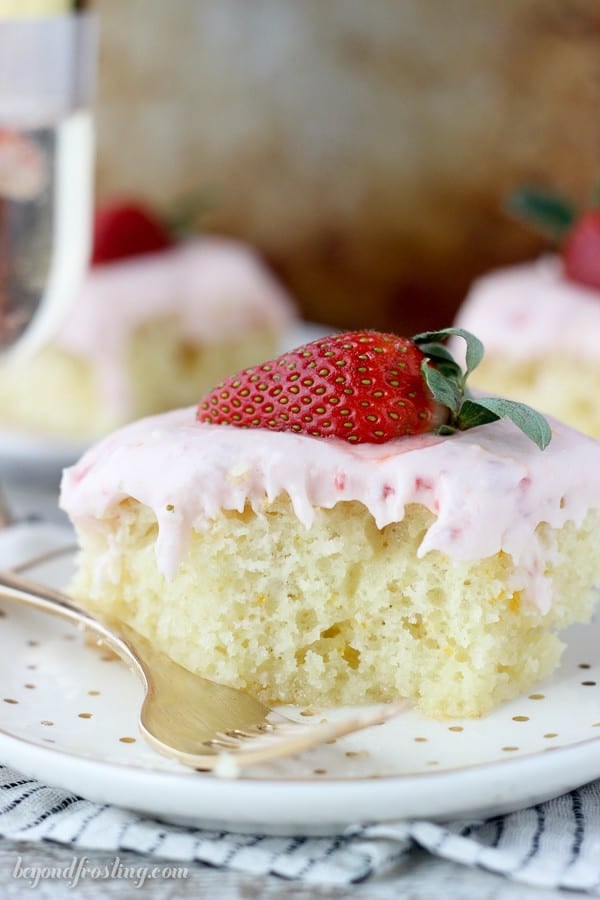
(555, 844)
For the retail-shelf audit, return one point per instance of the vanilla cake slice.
(312, 571)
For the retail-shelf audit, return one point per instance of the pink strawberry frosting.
(532, 310)
(215, 287)
(489, 487)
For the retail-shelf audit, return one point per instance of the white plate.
(68, 717)
(22, 451)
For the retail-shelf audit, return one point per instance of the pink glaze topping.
(215, 287)
(489, 487)
(531, 310)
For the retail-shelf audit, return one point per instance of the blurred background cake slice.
(156, 323)
(540, 320)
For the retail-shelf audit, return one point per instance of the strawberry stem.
(190, 214)
(448, 384)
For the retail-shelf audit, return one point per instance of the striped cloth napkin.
(554, 845)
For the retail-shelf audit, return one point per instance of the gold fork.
(198, 722)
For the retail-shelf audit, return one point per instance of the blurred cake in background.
(540, 321)
(157, 323)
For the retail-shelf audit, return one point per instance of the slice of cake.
(541, 332)
(540, 321)
(358, 555)
(155, 325)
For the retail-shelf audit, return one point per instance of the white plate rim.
(205, 800)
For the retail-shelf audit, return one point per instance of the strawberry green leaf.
(436, 351)
(190, 214)
(546, 211)
(428, 342)
(447, 382)
(530, 422)
(444, 389)
(472, 413)
(444, 362)
(452, 371)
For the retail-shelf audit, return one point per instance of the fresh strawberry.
(126, 228)
(363, 387)
(581, 250)
(360, 386)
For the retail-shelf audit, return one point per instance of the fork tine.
(221, 743)
(241, 735)
(230, 757)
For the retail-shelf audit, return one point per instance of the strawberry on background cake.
(345, 524)
(540, 321)
(156, 323)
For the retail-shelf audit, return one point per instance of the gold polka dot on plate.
(455, 728)
(520, 718)
(536, 696)
(508, 749)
